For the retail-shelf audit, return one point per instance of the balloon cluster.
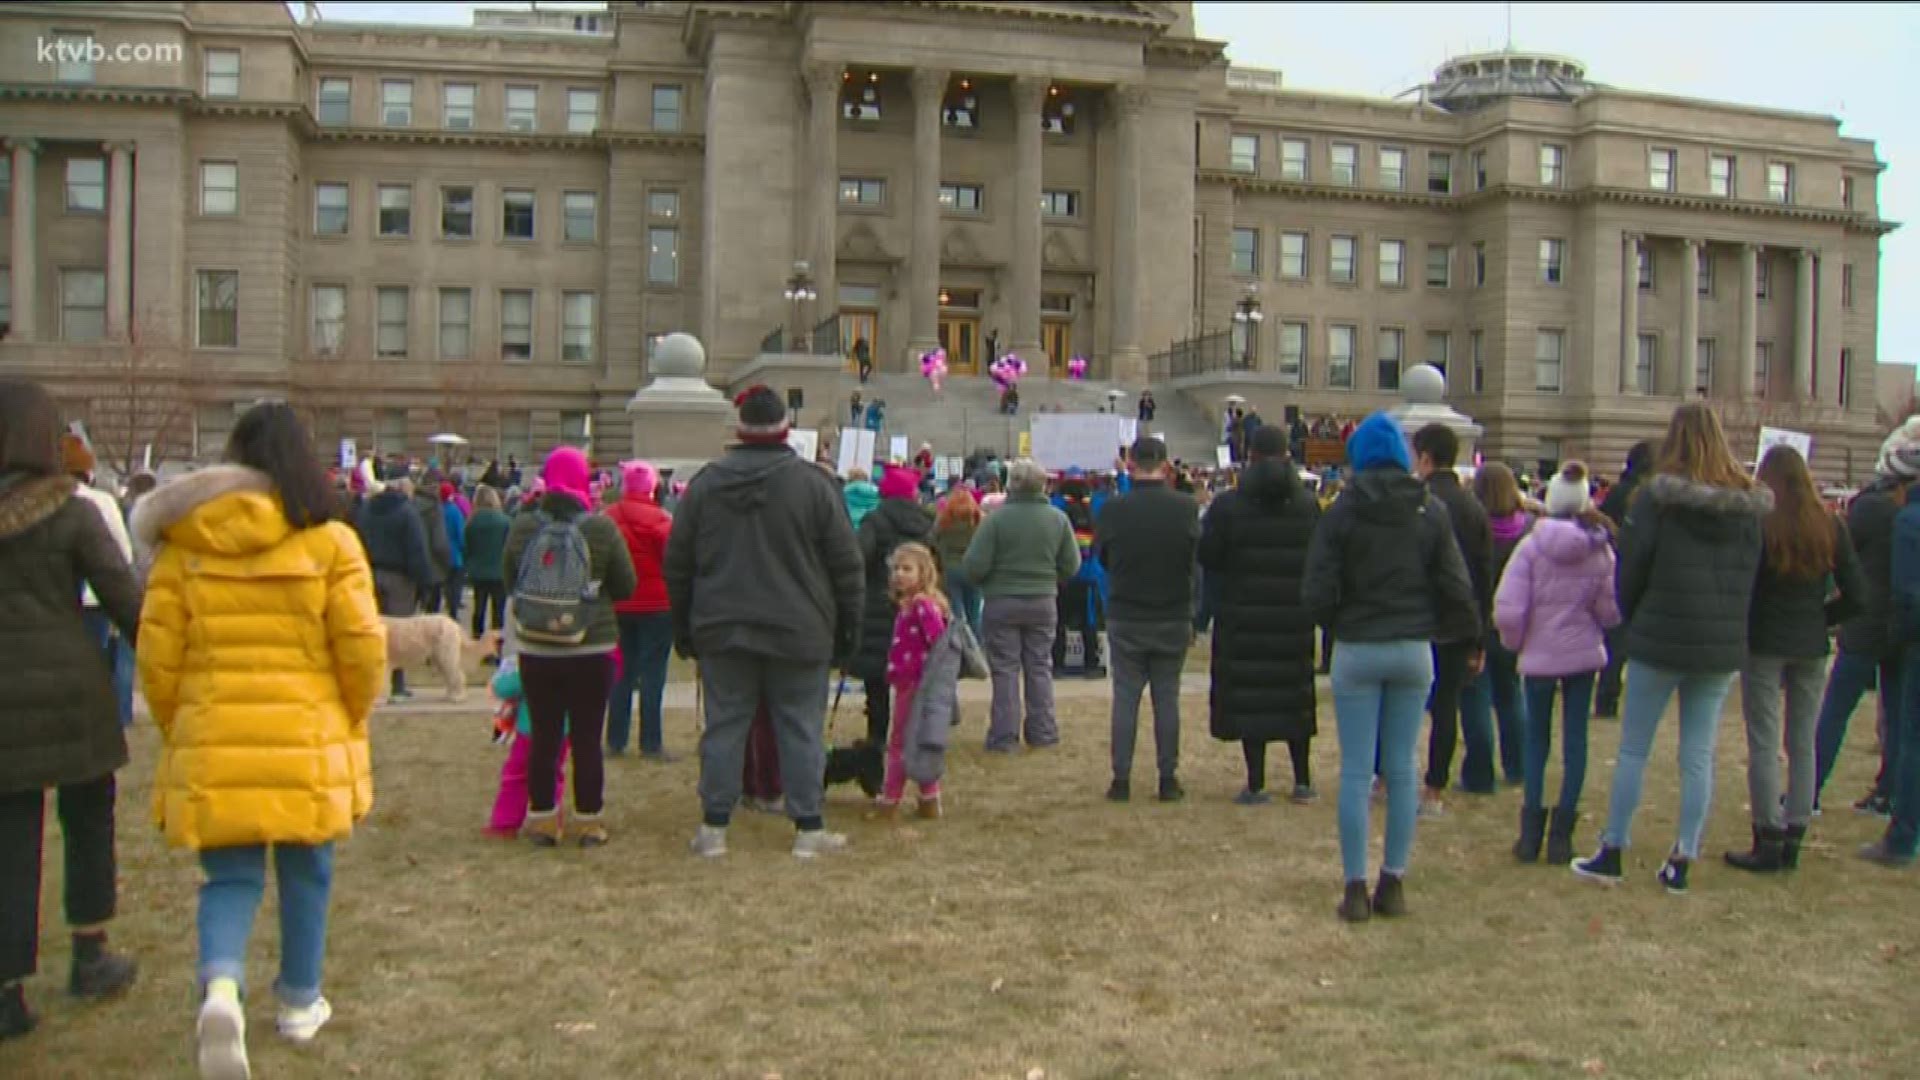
(933, 365)
(1006, 371)
(1077, 368)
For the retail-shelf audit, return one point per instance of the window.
(217, 302)
(583, 111)
(86, 185)
(1343, 253)
(1246, 252)
(1703, 263)
(861, 101)
(329, 319)
(1439, 173)
(1660, 169)
(1549, 349)
(1393, 169)
(1479, 170)
(1846, 377)
(576, 326)
(1056, 115)
(1846, 286)
(1051, 303)
(1846, 192)
(219, 187)
(1387, 361)
(516, 324)
(83, 305)
(1293, 256)
(1552, 258)
(1645, 255)
(396, 210)
(516, 214)
(1703, 367)
(576, 429)
(330, 210)
(1346, 164)
(1439, 349)
(1762, 366)
(1439, 266)
(1547, 455)
(862, 191)
(1553, 165)
(336, 101)
(456, 324)
(579, 218)
(1479, 264)
(222, 73)
(1720, 175)
(456, 213)
(523, 108)
(73, 57)
(1293, 353)
(1246, 154)
(1293, 159)
(961, 198)
(391, 336)
(1340, 357)
(1646, 360)
(456, 106)
(961, 109)
(1060, 204)
(666, 108)
(1779, 182)
(1476, 346)
(663, 256)
(1393, 262)
(1762, 276)
(396, 103)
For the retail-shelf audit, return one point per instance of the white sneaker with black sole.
(222, 1033)
(813, 843)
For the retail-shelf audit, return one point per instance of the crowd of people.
(250, 597)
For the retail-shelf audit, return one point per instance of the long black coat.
(1253, 545)
(892, 523)
(1688, 560)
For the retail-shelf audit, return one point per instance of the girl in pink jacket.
(1553, 607)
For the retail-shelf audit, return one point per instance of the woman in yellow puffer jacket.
(262, 653)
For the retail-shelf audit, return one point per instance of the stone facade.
(339, 214)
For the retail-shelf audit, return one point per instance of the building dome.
(1466, 83)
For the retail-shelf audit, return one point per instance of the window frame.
(1479, 264)
(69, 186)
(1380, 264)
(1399, 172)
(574, 114)
(1477, 356)
(1846, 192)
(1352, 333)
(1703, 274)
(208, 75)
(1762, 277)
(1352, 166)
(654, 279)
(380, 210)
(449, 110)
(1235, 159)
(506, 342)
(1788, 193)
(1553, 260)
(1352, 242)
(678, 112)
(568, 327)
(388, 106)
(69, 275)
(441, 296)
(1250, 268)
(1705, 349)
(381, 293)
(1553, 165)
(1730, 183)
(1303, 256)
(1477, 164)
(1444, 179)
(1051, 198)
(1762, 368)
(509, 200)
(1558, 335)
(1846, 286)
(1646, 362)
(445, 190)
(200, 308)
(1445, 364)
(1644, 269)
(861, 185)
(1296, 170)
(960, 189)
(1381, 335)
(316, 345)
(74, 64)
(1670, 157)
(344, 103)
(1846, 377)
(345, 208)
(207, 189)
(1446, 266)
(524, 119)
(1299, 361)
(654, 212)
(568, 216)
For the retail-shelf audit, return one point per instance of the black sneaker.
(1171, 791)
(103, 976)
(1389, 897)
(1603, 867)
(15, 1018)
(1119, 791)
(1673, 876)
(1355, 905)
(1874, 805)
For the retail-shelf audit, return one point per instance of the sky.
(1860, 62)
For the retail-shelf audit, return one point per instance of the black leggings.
(1450, 677)
(86, 829)
(566, 700)
(488, 596)
(1256, 754)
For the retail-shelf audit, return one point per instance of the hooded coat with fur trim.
(261, 654)
(1688, 558)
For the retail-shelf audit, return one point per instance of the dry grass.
(1037, 928)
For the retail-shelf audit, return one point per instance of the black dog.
(862, 763)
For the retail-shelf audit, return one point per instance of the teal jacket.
(486, 542)
(1023, 550)
(861, 498)
(506, 687)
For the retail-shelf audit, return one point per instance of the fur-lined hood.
(1679, 493)
(28, 501)
(225, 509)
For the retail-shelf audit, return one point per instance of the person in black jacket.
(426, 503)
(897, 520)
(1253, 545)
(1457, 660)
(1869, 656)
(1146, 539)
(396, 544)
(1384, 572)
(1606, 695)
(1688, 559)
(1805, 547)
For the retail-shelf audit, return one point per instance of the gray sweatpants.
(1019, 649)
(796, 697)
(1147, 655)
(1761, 686)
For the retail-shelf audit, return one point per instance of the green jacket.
(1023, 550)
(487, 546)
(612, 568)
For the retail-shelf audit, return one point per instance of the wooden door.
(855, 327)
(961, 338)
(1057, 339)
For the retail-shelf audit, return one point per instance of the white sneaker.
(222, 1031)
(813, 843)
(709, 842)
(301, 1025)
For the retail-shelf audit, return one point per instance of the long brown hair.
(1798, 532)
(1497, 490)
(960, 508)
(29, 429)
(1696, 449)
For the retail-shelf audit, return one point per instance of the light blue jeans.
(1648, 690)
(1379, 699)
(229, 898)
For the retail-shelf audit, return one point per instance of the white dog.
(439, 643)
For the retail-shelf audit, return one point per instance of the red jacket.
(645, 527)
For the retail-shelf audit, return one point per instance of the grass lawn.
(1036, 932)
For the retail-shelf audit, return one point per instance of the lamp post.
(1246, 315)
(1113, 399)
(800, 293)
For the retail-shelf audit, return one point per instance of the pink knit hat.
(567, 471)
(899, 483)
(638, 479)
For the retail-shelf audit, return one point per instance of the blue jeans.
(1853, 674)
(968, 600)
(236, 878)
(1577, 702)
(1902, 752)
(1647, 692)
(646, 644)
(1495, 693)
(119, 659)
(1379, 694)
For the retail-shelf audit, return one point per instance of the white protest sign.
(897, 449)
(856, 451)
(1084, 441)
(1223, 456)
(349, 455)
(805, 442)
(1771, 437)
(956, 466)
(942, 468)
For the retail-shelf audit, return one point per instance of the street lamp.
(800, 293)
(1113, 399)
(1246, 314)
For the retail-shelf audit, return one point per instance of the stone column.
(24, 258)
(119, 238)
(1749, 342)
(1630, 315)
(1029, 94)
(1803, 328)
(1689, 348)
(929, 89)
(823, 186)
(1127, 364)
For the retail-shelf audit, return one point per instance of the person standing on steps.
(899, 519)
(1147, 539)
(863, 360)
(1457, 658)
(1606, 702)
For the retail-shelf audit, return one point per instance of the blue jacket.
(456, 532)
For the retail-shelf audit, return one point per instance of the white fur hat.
(1567, 491)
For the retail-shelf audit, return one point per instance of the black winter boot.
(102, 976)
(1533, 828)
(1389, 897)
(1765, 857)
(15, 1018)
(1560, 836)
(1354, 905)
(1790, 847)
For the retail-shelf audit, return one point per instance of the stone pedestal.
(679, 421)
(1425, 389)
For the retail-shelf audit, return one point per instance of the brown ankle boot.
(883, 811)
(928, 809)
(542, 829)
(589, 830)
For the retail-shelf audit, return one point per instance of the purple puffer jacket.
(1556, 602)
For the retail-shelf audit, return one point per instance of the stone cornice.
(1195, 52)
(1085, 15)
(1262, 185)
(232, 108)
(95, 95)
(692, 142)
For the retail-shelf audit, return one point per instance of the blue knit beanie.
(1379, 441)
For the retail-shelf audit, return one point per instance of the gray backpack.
(555, 585)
